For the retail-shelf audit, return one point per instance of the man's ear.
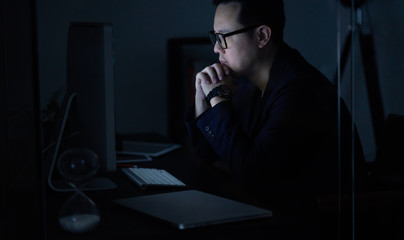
(264, 35)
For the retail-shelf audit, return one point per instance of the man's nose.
(217, 49)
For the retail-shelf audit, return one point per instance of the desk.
(120, 223)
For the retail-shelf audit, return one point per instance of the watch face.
(225, 91)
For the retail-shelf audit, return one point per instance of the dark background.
(33, 38)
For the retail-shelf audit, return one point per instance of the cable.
(59, 140)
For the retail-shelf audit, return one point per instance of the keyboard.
(146, 177)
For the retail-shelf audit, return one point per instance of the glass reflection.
(371, 65)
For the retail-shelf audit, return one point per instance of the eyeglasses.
(221, 38)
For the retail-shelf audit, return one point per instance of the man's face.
(240, 53)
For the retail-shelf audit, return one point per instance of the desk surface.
(120, 223)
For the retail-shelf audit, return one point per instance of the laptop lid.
(192, 208)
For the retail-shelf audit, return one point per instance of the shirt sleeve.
(201, 146)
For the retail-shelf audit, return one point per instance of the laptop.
(192, 208)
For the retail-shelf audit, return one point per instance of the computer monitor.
(88, 112)
(90, 75)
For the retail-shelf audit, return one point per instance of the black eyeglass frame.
(214, 37)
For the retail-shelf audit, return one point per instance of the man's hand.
(209, 78)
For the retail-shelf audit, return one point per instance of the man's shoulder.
(297, 68)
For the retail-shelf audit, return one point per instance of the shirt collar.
(279, 68)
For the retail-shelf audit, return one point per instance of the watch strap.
(213, 93)
(218, 91)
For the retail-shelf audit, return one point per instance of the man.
(265, 113)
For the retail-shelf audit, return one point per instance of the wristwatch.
(219, 91)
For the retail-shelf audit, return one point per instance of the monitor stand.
(94, 184)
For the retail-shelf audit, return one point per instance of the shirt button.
(207, 128)
(212, 137)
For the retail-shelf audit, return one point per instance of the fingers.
(214, 73)
(203, 77)
(226, 69)
(209, 77)
(199, 90)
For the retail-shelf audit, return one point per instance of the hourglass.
(79, 213)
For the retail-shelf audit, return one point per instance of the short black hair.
(268, 12)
